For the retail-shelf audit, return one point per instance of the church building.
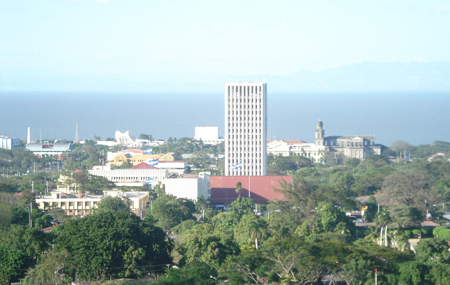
(350, 146)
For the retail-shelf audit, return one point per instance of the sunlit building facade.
(245, 129)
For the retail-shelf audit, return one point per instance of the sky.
(51, 40)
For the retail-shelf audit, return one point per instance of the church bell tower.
(319, 133)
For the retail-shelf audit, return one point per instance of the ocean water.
(418, 118)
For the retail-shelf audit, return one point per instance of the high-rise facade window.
(245, 129)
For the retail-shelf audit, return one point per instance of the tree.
(168, 211)
(406, 216)
(414, 272)
(195, 272)
(433, 251)
(383, 219)
(50, 269)
(409, 187)
(239, 188)
(372, 207)
(112, 204)
(11, 264)
(116, 244)
(240, 207)
(202, 243)
(355, 272)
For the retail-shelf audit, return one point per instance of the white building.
(190, 186)
(245, 129)
(49, 149)
(208, 135)
(129, 177)
(81, 204)
(8, 143)
(124, 139)
(296, 148)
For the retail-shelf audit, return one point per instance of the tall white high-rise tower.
(245, 129)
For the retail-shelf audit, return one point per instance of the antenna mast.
(76, 132)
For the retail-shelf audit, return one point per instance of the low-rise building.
(49, 149)
(130, 177)
(296, 148)
(8, 143)
(208, 135)
(189, 186)
(81, 204)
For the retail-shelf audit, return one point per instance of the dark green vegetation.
(306, 240)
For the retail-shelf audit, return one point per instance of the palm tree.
(371, 234)
(255, 232)
(239, 188)
(383, 219)
(399, 239)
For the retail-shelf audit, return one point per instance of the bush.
(445, 234)
(407, 233)
(416, 232)
(436, 230)
(426, 232)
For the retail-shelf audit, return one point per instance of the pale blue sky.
(117, 39)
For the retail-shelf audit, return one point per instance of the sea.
(415, 117)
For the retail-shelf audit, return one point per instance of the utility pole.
(30, 216)
(376, 273)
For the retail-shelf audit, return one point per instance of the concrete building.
(130, 177)
(296, 148)
(8, 143)
(245, 129)
(81, 204)
(189, 186)
(49, 149)
(208, 135)
(124, 139)
(350, 146)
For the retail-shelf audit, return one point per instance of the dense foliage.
(307, 239)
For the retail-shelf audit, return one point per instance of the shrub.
(425, 232)
(445, 234)
(407, 233)
(436, 230)
(415, 232)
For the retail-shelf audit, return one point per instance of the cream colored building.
(296, 148)
(81, 204)
(129, 177)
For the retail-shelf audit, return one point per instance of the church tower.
(319, 133)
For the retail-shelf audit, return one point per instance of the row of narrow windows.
(245, 124)
(248, 137)
(349, 143)
(245, 112)
(244, 90)
(245, 149)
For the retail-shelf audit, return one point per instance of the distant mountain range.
(364, 76)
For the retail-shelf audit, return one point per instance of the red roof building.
(223, 188)
(143, 165)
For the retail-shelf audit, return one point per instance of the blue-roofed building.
(47, 149)
(8, 143)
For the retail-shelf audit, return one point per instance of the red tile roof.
(143, 165)
(223, 188)
(430, 224)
